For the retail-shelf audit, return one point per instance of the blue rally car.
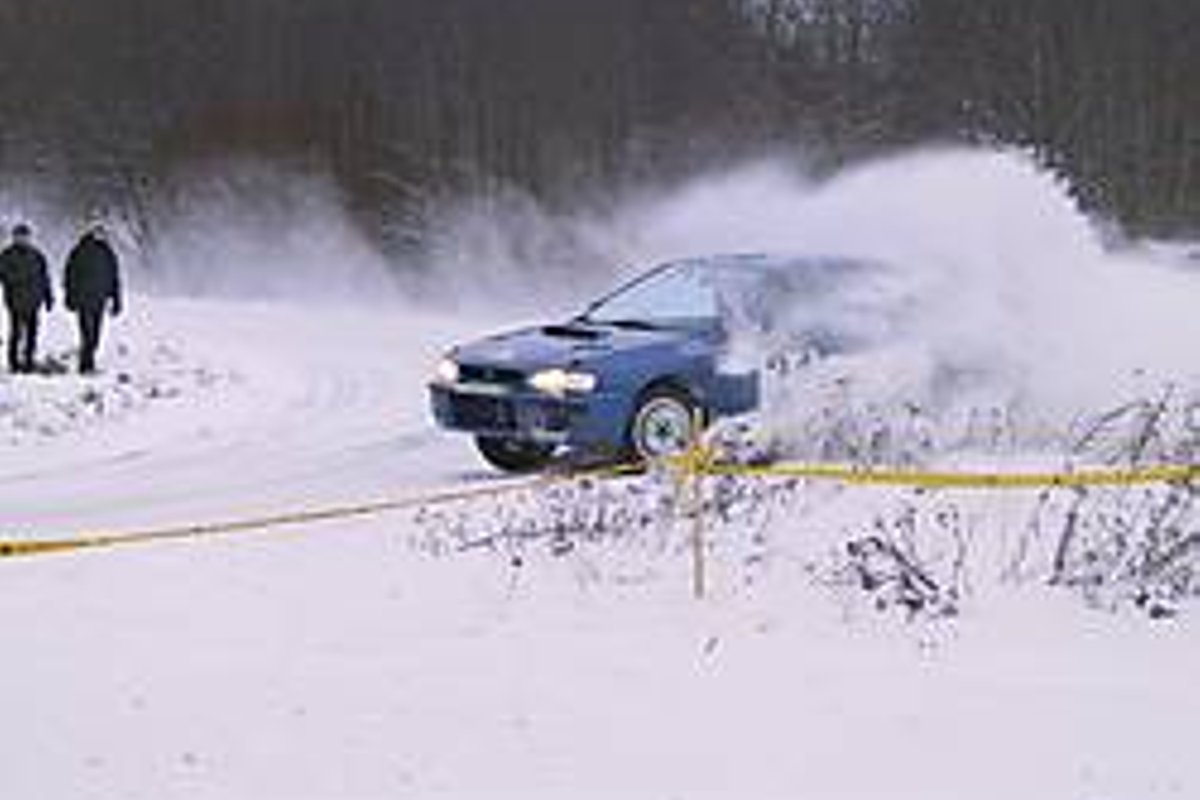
(635, 375)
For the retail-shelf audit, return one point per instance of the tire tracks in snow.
(331, 409)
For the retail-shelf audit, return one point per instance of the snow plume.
(999, 309)
(1004, 310)
(510, 255)
(249, 230)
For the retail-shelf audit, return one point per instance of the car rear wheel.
(666, 422)
(514, 455)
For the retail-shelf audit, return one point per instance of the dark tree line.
(408, 103)
(1104, 90)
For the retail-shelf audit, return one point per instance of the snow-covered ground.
(204, 409)
(374, 658)
(546, 643)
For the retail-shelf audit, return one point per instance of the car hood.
(571, 344)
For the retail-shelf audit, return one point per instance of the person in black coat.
(93, 281)
(26, 281)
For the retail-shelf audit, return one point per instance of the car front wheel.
(514, 455)
(666, 422)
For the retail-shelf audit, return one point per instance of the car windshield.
(682, 294)
(826, 298)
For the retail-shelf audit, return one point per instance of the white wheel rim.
(663, 427)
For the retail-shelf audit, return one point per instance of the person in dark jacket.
(26, 281)
(93, 281)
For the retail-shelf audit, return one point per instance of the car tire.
(666, 421)
(514, 455)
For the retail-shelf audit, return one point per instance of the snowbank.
(140, 371)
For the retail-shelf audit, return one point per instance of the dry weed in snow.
(915, 553)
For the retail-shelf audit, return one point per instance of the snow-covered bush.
(916, 551)
(1162, 430)
(1124, 546)
(912, 558)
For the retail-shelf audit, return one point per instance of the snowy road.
(294, 408)
(343, 661)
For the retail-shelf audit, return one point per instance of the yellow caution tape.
(698, 462)
(933, 479)
(12, 548)
(35, 547)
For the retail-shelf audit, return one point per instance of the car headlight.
(561, 381)
(446, 371)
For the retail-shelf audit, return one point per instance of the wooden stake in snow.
(693, 469)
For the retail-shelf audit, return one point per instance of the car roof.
(772, 262)
(799, 271)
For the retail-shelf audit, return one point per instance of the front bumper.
(586, 420)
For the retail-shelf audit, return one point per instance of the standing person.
(92, 281)
(26, 281)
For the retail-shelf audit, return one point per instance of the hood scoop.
(576, 332)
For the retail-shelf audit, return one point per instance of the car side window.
(679, 295)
